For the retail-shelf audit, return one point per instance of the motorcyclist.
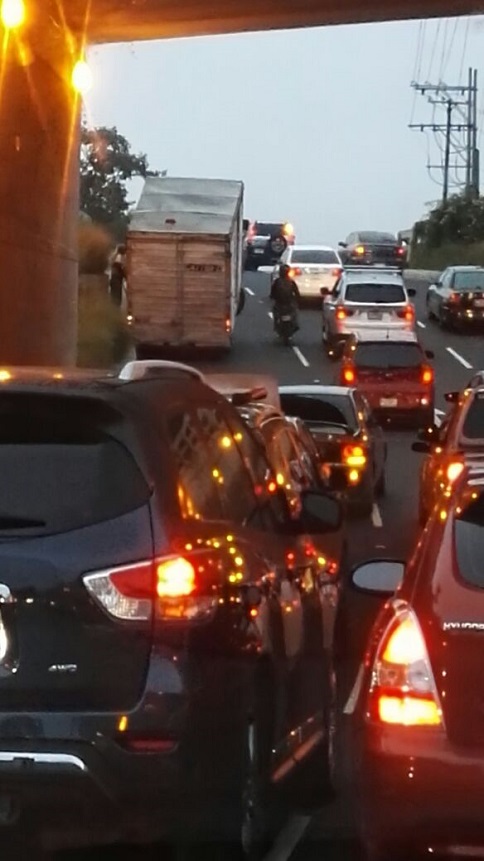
(285, 295)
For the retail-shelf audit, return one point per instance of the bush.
(447, 254)
(95, 248)
(103, 333)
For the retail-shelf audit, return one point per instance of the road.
(393, 525)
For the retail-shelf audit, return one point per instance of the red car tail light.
(407, 313)
(348, 376)
(174, 587)
(403, 690)
(454, 469)
(354, 455)
(427, 376)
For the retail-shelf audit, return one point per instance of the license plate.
(374, 315)
(258, 250)
(388, 402)
(286, 319)
(479, 303)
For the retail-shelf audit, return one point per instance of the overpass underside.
(39, 146)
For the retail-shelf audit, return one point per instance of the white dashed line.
(438, 417)
(249, 291)
(270, 314)
(288, 838)
(422, 325)
(301, 357)
(459, 358)
(376, 516)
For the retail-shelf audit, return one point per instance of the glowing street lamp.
(82, 79)
(12, 13)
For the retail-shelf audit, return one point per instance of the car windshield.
(388, 355)
(469, 541)
(314, 255)
(375, 294)
(266, 228)
(337, 409)
(374, 238)
(473, 427)
(469, 280)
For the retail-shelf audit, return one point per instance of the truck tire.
(242, 298)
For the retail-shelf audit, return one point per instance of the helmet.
(284, 270)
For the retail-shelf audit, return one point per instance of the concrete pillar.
(39, 166)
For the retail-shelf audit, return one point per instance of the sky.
(314, 121)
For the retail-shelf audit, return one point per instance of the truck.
(184, 263)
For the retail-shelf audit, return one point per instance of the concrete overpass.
(39, 123)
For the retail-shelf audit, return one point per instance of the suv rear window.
(320, 408)
(314, 256)
(60, 471)
(266, 228)
(375, 294)
(469, 280)
(473, 427)
(469, 542)
(388, 355)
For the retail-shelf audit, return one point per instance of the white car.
(312, 267)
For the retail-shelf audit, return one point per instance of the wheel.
(430, 313)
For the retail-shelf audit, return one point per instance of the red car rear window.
(388, 355)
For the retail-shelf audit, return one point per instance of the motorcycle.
(285, 324)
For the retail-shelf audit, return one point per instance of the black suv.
(266, 243)
(158, 656)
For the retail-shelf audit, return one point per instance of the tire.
(242, 299)
(430, 314)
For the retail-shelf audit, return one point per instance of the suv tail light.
(407, 313)
(288, 231)
(427, 376)
(354, 455)
(342, 314)
(403, 690)
(172, 587)
(348, 376)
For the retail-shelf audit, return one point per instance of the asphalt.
(392, 528)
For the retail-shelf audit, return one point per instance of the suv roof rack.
(137, 370)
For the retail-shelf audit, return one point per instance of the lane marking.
(438, 415)
(288, 838)
(249, 291)
(459, 358)
(422, 325)
(301, 357)
(376, 516)
(270, 314)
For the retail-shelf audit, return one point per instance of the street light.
(12, 13)
(82, 79)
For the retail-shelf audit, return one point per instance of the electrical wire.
(434, 48)
(444, 46)
(464, 49)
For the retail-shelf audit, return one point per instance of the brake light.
(403, 690)
(453, 298)
(360, 249)
(354, 455)
(174, 587)
(454, 469)
(427, 376)
(337, 273)
(401, 250)
(407, 313)
(349, 376)
(288, 230)
(341, 314)
(294, 272)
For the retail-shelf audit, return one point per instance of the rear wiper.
(10, 521)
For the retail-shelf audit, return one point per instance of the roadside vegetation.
(452, 234)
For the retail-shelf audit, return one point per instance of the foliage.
(103, 333)
(95, 247)
(458, 220)
(107, 163)
(448, 254)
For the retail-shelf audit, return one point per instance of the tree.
(107, 163)
(458, 220)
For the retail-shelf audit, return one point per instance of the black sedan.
(457, 297)
(373, 248)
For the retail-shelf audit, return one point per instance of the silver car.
(365, 299)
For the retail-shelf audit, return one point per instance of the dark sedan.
(373, 248)
(457, 297)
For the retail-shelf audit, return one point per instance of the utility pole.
(461, 100)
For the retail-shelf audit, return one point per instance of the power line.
(464, 49)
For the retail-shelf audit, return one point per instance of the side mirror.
(342, 244)
(421, 447)
(430, 354)
(320, 512)
(451, 397)
(378, 576)
(411, 291)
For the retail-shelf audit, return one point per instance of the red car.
(416, 711)
(391, 369)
